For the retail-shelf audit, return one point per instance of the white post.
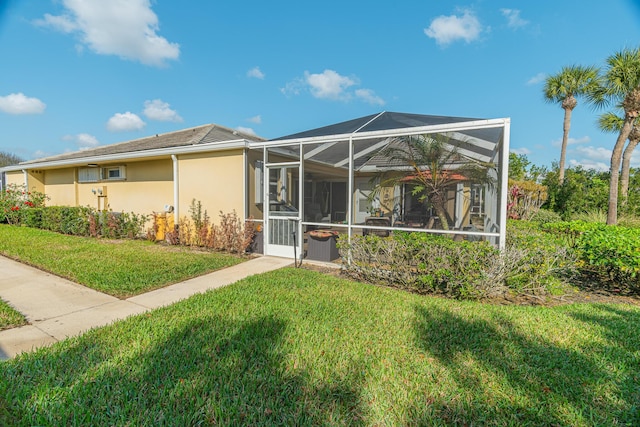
(504, 184)
(176, 189)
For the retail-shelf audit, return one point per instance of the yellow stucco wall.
(35, 179)
(15, 178)
(59, 186)
(215, 179)
(148, 187)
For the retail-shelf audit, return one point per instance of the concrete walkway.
(57, 308)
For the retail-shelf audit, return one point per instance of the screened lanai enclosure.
(380, 174)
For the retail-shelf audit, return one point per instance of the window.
(113, 173)
(88, 174)
(96, 174)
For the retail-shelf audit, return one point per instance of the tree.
(620, 86)
(563, 88)
(611, 122)
(583, 190)
(432, 164)
(7, 159)
(518, 164)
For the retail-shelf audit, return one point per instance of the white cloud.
(331, 85)
(538, 78)
(328, 84)
(160, 111)
(369, 96)
(293, 87)
(513, 18)
(590, 157)
(38, 154)
(594, 153)
(248, 131)
(84, 141)
(127, 29)
(572, 141)
(589, 164)
(125, 122)
(18, 103)
(255, 119)
(256, 73)
(522, 150)
(448, 29)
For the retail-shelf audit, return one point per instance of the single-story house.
(322, 178)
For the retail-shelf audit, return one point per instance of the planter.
(322, 246)
(257, 243)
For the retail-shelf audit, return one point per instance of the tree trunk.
(612, 214)
(439, 203)
(626, 165)
(565, 140)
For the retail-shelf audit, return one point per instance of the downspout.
(26, 179)
(245, 181)
(176, 189)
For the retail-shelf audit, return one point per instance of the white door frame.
(280, 226)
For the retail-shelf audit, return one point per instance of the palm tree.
(620, 86)
(563, 88)
(432, 164)
(610, 122)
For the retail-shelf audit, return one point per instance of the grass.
(294, 347)
(121, 268)
(10, 318)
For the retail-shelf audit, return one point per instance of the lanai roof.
(386, 120)
(474, 138)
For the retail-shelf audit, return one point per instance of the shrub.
(610, 251)
(613, 251)
(525, 198)
(15, 200)
(427, 263)
(545, 216)
(230, 235)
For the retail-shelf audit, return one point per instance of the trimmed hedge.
(427, 263)
(82, 221)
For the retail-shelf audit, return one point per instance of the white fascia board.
(107, 158)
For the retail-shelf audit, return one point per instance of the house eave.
(134, 155)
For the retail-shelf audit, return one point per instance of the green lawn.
(10, 318)
(294, 347)
(118, 267)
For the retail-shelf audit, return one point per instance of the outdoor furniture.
(377, 221)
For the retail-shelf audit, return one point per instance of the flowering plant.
(16, 198)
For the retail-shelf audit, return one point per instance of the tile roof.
(206, 134)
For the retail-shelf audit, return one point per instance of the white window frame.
(107, 170)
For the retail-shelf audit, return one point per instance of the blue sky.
(80, 73)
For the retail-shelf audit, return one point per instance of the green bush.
(428, 263)
(15, 200)
(614, 251)
(66, 219)
(544, 216)
(546, 258)
(32, 217)
(611, 251)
